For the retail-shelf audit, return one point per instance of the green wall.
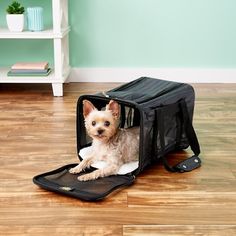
(137, 33)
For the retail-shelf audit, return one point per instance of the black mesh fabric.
(60, 180)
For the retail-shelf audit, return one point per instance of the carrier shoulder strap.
(192, 162)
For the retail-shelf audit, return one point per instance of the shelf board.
(45, 34)
(30, 79)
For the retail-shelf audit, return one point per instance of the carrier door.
(61, 181)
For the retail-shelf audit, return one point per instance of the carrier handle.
(192, 162)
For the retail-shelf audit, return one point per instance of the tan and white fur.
(111, 144)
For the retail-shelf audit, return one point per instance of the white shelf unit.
(59, 35)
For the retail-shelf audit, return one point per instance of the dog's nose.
(100, 131)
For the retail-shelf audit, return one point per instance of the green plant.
(15, 8)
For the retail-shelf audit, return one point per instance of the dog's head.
(101, 125)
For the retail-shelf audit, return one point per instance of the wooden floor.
(37, 134)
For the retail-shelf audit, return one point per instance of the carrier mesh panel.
(62, 180)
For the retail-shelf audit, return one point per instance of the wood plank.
(176, 230)
(36, 197)
(158, 183)
(176, 215)
(184, 199)
(59, 230)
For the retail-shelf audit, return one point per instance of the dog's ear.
(87, 108)
(114, 107)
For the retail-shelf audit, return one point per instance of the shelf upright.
(59, 34)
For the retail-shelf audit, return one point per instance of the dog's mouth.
(100, 136)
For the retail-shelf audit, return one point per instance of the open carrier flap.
(61, 181)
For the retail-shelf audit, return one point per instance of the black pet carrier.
(162, 110)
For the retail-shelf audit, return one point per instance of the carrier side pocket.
(165, 111)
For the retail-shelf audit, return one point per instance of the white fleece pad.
(124, 169)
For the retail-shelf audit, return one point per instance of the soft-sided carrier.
(163, 111)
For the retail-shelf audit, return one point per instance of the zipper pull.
(105, 95)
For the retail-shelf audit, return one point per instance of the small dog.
(111, 144)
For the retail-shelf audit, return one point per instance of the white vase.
(15, 22)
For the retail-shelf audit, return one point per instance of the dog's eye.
(107, 123)
(93, 123)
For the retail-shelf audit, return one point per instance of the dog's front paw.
(91, 176)
(86, 177)
(75, 170)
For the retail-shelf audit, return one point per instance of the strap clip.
(188, 164)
